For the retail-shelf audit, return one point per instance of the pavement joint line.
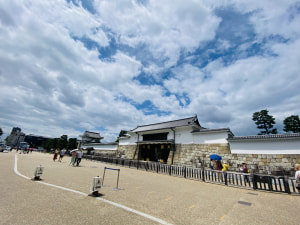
(100, 199)
(244, 203)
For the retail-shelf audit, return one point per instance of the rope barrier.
(107, 168)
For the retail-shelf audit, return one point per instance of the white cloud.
(173, 54)
(165, 27)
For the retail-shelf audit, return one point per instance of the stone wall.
(127, 150)
(109, 153)
(196, 155)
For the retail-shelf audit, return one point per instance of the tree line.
(266, 122)
(62, 142)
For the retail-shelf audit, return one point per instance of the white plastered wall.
(278, 146)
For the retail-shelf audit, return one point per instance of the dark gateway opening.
(154, 152)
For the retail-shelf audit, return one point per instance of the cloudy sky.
(102, 65)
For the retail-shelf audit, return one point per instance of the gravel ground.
(171, 199)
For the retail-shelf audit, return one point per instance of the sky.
(105, 66)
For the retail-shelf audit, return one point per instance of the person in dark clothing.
(79, 156)
(245, 170)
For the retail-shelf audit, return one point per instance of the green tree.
(292, 124)
(265, 122)
(72, 143)
(51, 143)
(62, 142)
(1, 132)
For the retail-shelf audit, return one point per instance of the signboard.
(38, 172)
(97, 184)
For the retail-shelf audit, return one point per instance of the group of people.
(25, 150)
(59, 152)
(76, 156)
(218, 165)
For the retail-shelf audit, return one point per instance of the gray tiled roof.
(204, 130)
(191, 121)
(265, 137)
(92, 134)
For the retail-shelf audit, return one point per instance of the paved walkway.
(144, 198)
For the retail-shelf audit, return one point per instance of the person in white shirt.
(297, 176)
(61, 154)
(79, 156)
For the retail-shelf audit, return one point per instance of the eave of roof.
(94, 136)
(207, 130)
(265, 137)
(191, 121)
(171, 141)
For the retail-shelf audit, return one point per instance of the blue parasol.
(215, 157)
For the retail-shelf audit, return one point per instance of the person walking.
(55, 154)
(224, 170)
(61, 154)
(79, 156)
(225, 166)
(244, 169)
(211, 164)
(218, 165)
(73, 157)
(297, 176)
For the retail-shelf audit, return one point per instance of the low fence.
(236, 179)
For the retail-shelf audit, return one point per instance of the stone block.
(285, 160)
(279, 160)
(264, 160)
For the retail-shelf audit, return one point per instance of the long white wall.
(129, 141)
(265, 147)
(210, 137)
(256, 146)
(183, 135)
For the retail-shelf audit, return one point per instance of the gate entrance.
(154, 152)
